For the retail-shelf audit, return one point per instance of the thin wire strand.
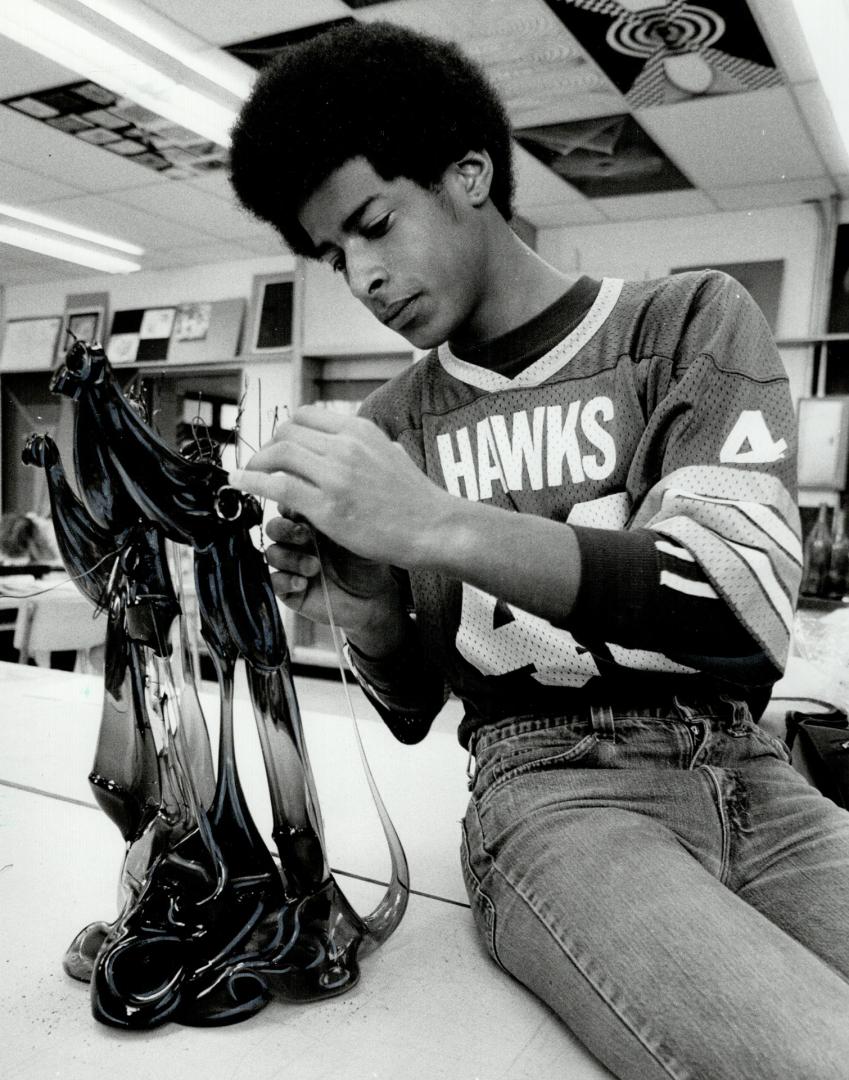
(64, 581)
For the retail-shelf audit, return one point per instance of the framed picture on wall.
(272, 314)
(30, 344)
(85, 318)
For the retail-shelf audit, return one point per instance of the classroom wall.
(147, 288)
(647, 249)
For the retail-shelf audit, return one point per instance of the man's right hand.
(361, 593)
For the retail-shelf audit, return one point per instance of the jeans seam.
(477, 885)
(725, 825)
(669, 1068)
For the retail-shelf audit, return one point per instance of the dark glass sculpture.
(211, 927)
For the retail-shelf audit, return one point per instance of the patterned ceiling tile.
(608, 156)
(536, 65)
(102, 118)
(671, 51)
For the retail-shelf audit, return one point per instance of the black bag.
(822, 739)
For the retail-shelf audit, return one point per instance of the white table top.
(429, 1004)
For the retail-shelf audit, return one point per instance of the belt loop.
(740, 714)
(685, 712)
(601, 717)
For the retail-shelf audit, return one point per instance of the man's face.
(411, 255)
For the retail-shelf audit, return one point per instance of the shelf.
(225, 363)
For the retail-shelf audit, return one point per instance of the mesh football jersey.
(660, 426)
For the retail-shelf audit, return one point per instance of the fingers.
(284, 530)
(280, 487)
(293, 562)
(291, 590)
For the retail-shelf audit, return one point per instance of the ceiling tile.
(33, 145)
(37, 273)
(659, 53)
(655, 205)
(24, 71)
(753, 137)
(573, 213)
(537, 66)
(196, 254)
(25, 188)
(120, 221)
(782, 194)
(196, 209)
(817, 113)
(607, 156)
(266, 243)
(222, 23)
(782, 32)
(537, 185)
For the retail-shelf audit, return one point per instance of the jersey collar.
(549, 363)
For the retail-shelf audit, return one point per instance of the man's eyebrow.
(348, 225)
(353, 219)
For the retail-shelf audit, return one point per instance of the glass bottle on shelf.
(817, 555)
(838, 569)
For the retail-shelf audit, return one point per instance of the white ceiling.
(768, 146)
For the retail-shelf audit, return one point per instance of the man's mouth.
(397, 314)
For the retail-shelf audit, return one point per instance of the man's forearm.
(525, 560)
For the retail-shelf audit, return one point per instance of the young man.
(577, 513)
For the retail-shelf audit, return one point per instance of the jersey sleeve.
(405, 689)
(708, 569)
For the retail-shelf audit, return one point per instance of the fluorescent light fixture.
(173, 40)
(825, 26)
(43, 29)
(20, 213)
(57, 248)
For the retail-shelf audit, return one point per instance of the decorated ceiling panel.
(658, 53)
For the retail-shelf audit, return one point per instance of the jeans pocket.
(536, 756)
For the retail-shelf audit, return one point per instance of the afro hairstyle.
(410, 104)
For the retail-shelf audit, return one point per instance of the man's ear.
(474, 171)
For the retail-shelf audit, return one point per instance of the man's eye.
(378, 228)
(337, 264)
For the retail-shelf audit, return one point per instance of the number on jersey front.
(498, 639)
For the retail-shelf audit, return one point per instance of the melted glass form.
(211, 927)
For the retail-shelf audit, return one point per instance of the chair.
(57, 621)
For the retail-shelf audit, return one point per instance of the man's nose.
(365, 272)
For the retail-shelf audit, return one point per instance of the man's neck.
(519, 285)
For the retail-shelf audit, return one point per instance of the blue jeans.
(669, 885)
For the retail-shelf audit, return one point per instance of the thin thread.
(64, 581)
